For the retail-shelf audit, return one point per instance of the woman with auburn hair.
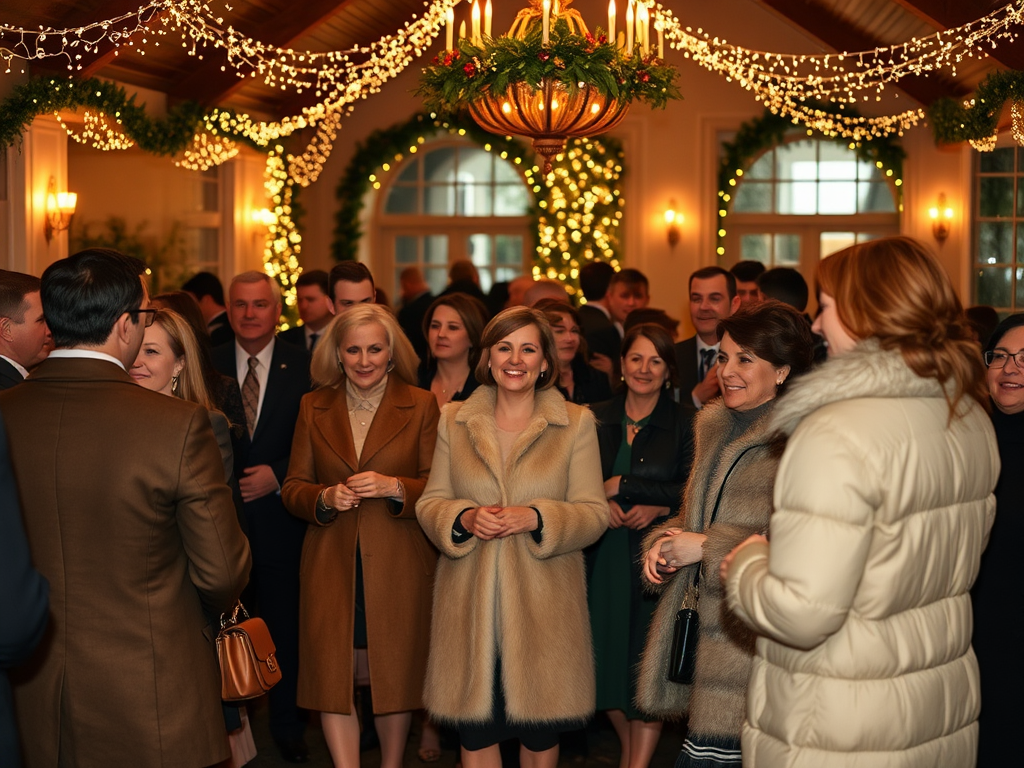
(514, 496)
(360, 459)
(883, 505)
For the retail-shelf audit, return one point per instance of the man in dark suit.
(273, 378)
(594, 279)
(129, 518)
(24, 336)
(24, 601)
(627, 290)
(205, 287)
(315, 307)
(712, 299)
(416, 299)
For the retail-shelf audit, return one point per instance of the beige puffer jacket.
(882, 509)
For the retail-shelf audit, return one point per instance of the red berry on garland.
(602, 39)
(543, 55)
(469, 69)
(644, 76)
(435, 61)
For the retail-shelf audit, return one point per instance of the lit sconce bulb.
(673, 219)
(264, 216)
(942, 217)
(60, 207)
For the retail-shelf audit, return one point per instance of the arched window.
(453, 200)
(804, 200)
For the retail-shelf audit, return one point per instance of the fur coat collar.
(865, 371)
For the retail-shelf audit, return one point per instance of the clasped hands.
(675, 549)
(362, 485)
(639, 515)
(496, 522)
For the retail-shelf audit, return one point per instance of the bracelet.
(322, 508)
(399, 490)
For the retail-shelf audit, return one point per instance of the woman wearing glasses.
(883, 504)
(997, 641)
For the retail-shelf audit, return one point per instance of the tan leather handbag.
(248, 667)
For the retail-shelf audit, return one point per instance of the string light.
(97, 132)
(206, 152)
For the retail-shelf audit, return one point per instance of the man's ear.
(735, 304)
(5, 329)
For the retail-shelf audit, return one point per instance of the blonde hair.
(326, 370)
(510, 321)
(191, 384)
(894, 290)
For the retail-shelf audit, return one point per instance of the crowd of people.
(488, 512)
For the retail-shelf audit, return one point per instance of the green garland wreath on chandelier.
(561, 247)
(761, 134)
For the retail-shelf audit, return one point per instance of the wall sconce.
(941, 216)
(673, 219)
(264, 216)
(60, 207)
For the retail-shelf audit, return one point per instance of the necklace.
(636, 425)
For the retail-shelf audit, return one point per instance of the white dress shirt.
(91, 354)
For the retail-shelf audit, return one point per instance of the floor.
(602, 744)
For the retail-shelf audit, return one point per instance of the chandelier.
(549, 78)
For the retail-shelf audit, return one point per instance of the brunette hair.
(510, 321)
(553, 310)
(474, 317)
(893, 289)
(185, 346)
(663, 345)
(326, 370)
(775, 332)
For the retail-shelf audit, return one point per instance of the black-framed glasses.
(996, 358)
(148, 314)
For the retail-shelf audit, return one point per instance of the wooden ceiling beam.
(838, 34)
(209, 85)
(944, 14)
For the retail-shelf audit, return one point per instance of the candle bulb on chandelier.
(660, 27)
(546, 20)
(487, 19)
(611, 21)
(475, 14)
(642, 29)
(462, 29)
(629, 29)
(449, 28)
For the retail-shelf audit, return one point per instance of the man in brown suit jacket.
(128, 516)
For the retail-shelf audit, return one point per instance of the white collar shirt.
(90, 354)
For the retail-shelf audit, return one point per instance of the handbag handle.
(234, 615)
(718, 501)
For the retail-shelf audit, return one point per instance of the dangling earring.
(174, 383)
(667, 383)
(391, 365)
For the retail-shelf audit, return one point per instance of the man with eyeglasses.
(128, 516)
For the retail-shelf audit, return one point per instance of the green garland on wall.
(558, 254)
(975, 119)
(757, 136)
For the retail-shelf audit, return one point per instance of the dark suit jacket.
(128, 516)
(9, 375)
(689, 373)
(592, 319)
(295, 336)
(220, 330)
(410, 318)
(24, 601)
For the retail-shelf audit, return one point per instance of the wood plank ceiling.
(323, 25)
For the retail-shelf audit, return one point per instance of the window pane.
(1020, 195)
(405, 249)
(869, 172)
(797, 160)
(473, 199)
(996, 197)
(835, 241)
(796, 197)
(511, 200)
(787, 250)
(995, 242)
(762, 169)
(994, 287)
(478, 247)
(836, 161)
(837, 197)
(437, 278)
(439, 165)
(402, 200)
(508, 249)
(875, 198)
(1020, 288)
(435, 249)
(475, 165)
(752, 197)
(997, 161)
(505, 172)
(756, 248)
(439, 200)
(411, 171)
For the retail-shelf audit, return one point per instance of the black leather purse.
(682, 659)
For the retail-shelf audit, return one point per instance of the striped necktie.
(251, 395)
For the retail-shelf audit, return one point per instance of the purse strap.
(718, 501)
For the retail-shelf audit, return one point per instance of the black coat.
(425, 377)
(410, 318)
(9, 375)
(589, 385)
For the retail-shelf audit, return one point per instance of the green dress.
(620, 611)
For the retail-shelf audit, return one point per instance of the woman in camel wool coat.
(520, 598)
(883, 505)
